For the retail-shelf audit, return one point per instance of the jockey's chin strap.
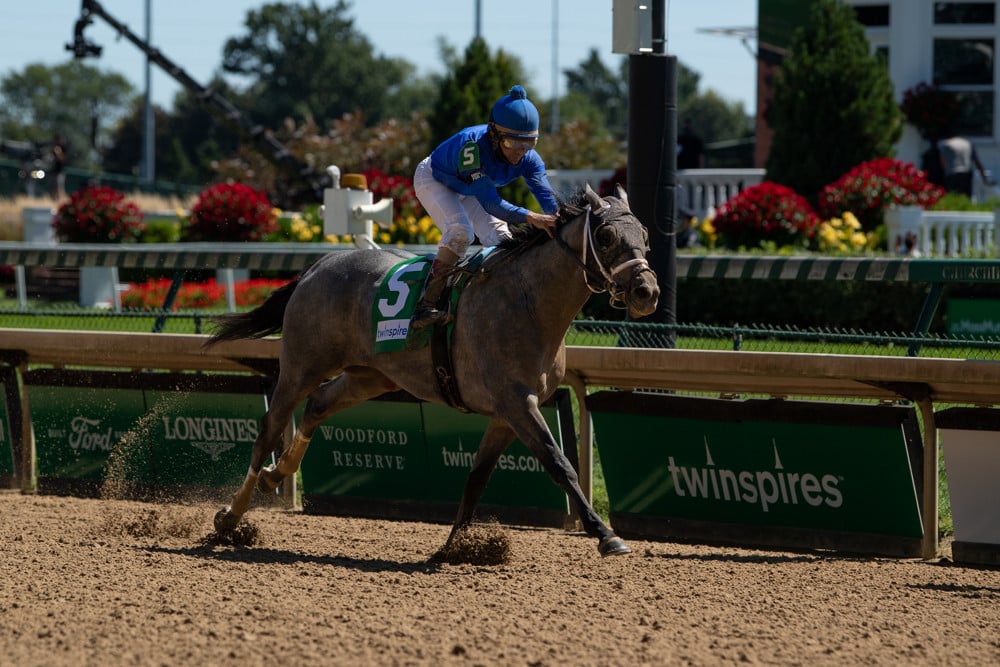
(605, 278)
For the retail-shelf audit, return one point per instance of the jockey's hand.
(542, 221)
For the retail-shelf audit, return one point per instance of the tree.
(712, 116)
(606, 92)
(188, 141)
(74, 99)
(599, 97)
(834, 105)
(304, 62)
(471, 88)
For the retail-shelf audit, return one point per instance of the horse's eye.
(605, 236)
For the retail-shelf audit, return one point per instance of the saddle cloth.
(396, 298)
(398, 295)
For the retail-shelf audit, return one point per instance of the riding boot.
(429, 309)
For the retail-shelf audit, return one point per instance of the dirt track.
(109, 582)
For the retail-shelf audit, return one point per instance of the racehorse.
(535, 283)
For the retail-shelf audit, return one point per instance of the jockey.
(457, 185)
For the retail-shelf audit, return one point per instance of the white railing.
(699, 191)
(913, 231)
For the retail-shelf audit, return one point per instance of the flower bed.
(98, 214)
(151, 294)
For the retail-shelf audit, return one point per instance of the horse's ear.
(596, 203)
(620, 192)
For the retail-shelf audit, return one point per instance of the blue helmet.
(514, 115)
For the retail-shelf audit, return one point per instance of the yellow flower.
(851, 220)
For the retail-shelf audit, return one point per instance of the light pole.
(148, 132)
(555, 66)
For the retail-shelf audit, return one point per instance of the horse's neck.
(561, 286)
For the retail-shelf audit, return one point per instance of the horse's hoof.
(613, 546)
(225, 521)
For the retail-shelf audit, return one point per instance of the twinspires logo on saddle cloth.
(395, 301)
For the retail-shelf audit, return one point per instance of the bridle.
(603, 279)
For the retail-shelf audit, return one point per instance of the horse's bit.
(618, 293)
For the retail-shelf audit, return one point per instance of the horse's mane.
(525, 234)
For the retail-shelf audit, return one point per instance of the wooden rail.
(923, 381)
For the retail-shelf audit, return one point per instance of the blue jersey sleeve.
(465, 163)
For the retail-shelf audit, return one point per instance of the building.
(952, 44)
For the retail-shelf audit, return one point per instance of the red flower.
(871, 187)
(98, 214)
(150, 295)
(230, 212)
(405, 203)
(929, 109)
(765, 212)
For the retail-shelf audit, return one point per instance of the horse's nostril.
(643, 292)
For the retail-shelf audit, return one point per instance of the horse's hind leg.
(289, 391)
(272, 426)
(497, 438)
(354, 386)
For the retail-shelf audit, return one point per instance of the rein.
(605, 275)
(603, 278)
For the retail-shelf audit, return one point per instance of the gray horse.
(534, 285)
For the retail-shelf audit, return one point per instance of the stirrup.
(428, 315)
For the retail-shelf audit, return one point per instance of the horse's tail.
(262, 321)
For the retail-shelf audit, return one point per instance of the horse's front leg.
(530, 427)
(497, 438)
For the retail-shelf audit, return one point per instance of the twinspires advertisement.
(417, 456)
(672, 462)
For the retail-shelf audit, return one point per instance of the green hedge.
(871, 307)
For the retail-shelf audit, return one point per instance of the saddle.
(439, 335)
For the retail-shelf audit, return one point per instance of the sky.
(548, 36)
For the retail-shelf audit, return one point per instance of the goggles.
(522, 144)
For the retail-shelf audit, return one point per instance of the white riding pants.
(461, 218)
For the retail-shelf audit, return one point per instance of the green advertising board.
(6, 448)
(519, 479)
(79, 432)
(803, 466)
(373, 450)
(409, 459)
(974, 318)
(201, 439)
(124, 432)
